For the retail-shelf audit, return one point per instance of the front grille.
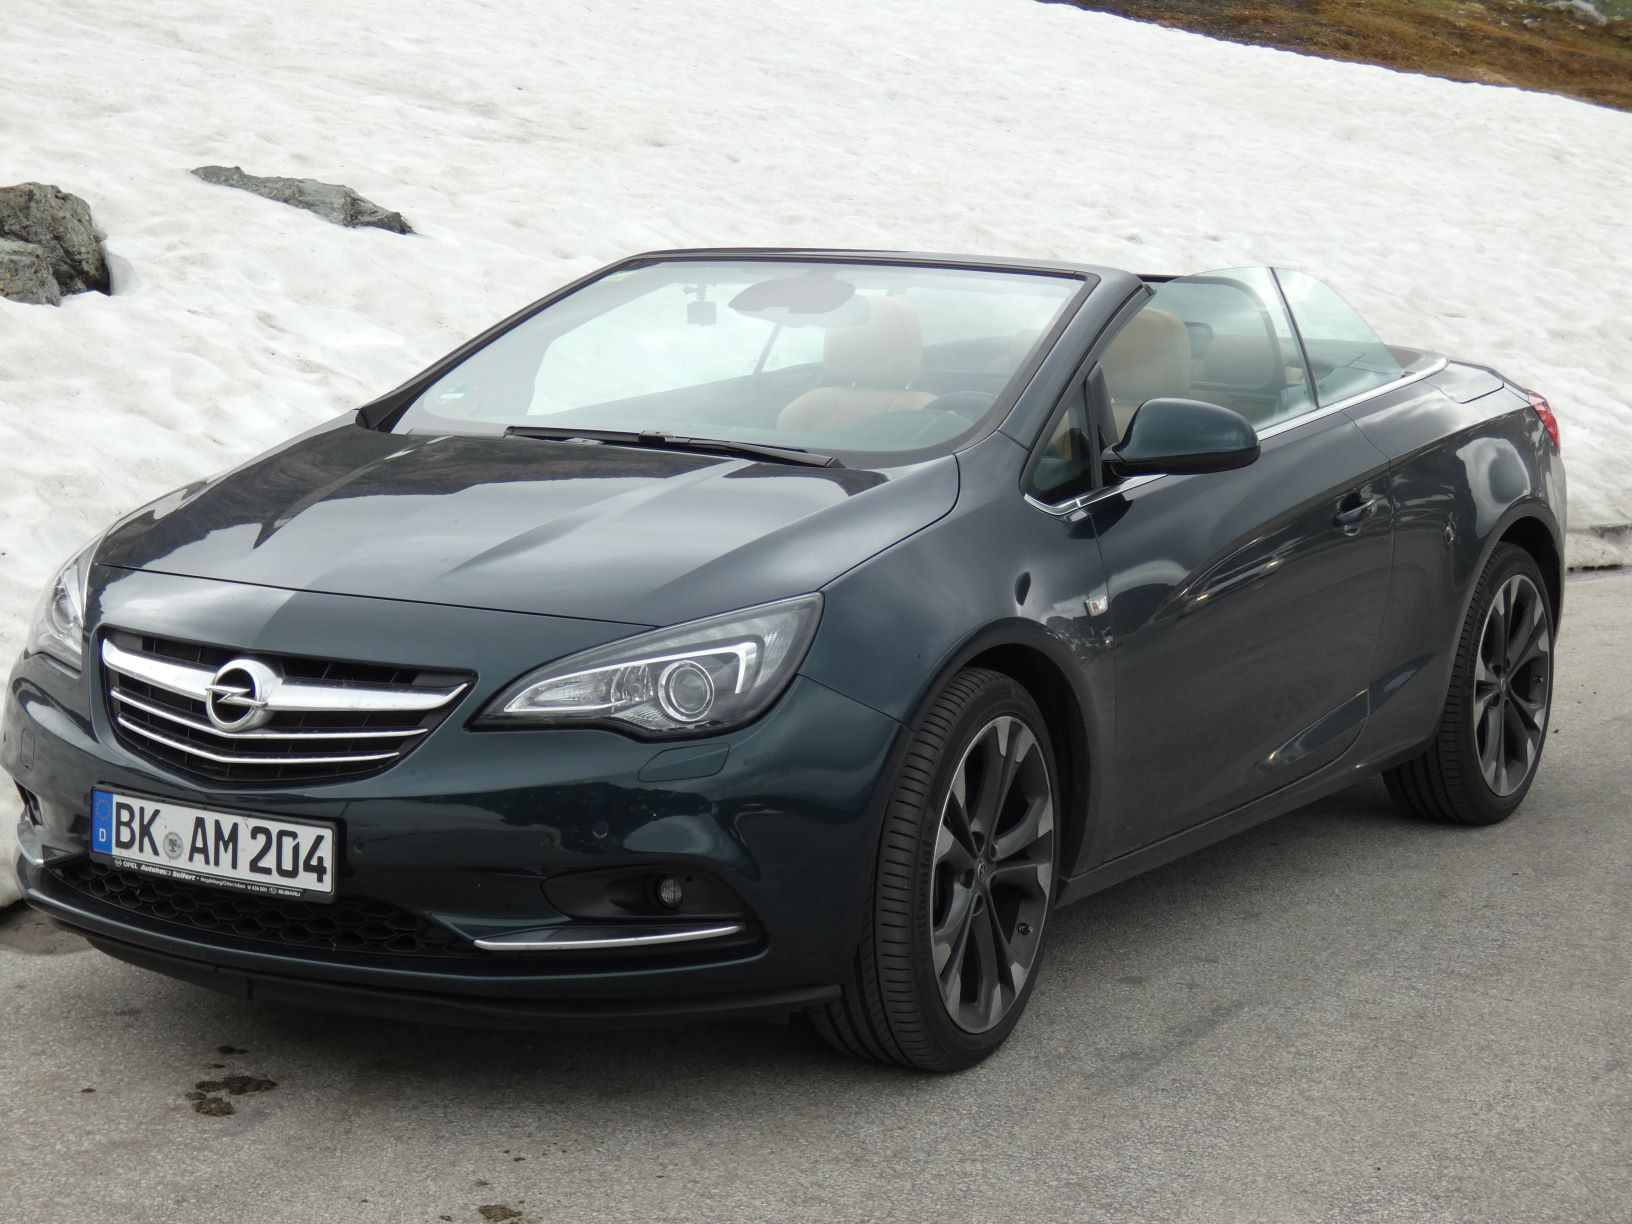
(304, 719)
(349, 924)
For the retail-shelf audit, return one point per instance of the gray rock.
(60, 225)
(25, 274)
(1581, 10)
(331, 201)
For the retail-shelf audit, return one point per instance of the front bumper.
(465, 834)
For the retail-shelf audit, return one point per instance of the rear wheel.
(1484, 756)
(952, 939)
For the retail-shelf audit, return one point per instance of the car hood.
(643, 537)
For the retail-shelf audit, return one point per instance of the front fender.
(997, 581)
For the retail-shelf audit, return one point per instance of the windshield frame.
(385, 413)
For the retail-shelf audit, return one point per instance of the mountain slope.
(1533, 44)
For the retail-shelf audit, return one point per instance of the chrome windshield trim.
(218, 758)
(592, 938)
(125, 698)
(288, 696)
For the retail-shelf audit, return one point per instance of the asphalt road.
(1341, 1016)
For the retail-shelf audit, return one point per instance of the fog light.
(670, 892)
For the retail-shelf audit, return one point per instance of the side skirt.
(1338, 776)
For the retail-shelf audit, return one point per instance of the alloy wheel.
(992, 874)
(1512, 685)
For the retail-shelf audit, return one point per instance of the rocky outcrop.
(331, 201)
(25, 274)
(59, 226)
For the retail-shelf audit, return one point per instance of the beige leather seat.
(1259, 368)
(866, 370)
(1150, 357)
(1249, 362)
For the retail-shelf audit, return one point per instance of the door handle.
(1353, 518)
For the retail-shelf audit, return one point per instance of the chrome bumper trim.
(593, 938)
(34, 851)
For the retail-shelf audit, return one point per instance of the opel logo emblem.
(239, 693)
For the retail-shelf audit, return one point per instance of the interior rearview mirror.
(1182, 437)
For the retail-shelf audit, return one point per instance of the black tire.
(1452, 779)
(892, 1007)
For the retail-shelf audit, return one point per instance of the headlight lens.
(694, 679)
(59, 620)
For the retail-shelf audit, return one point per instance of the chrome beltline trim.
(1065, 509)
(195, 750)
(586, 939)
(290, 696)
(1326, 410)
(125, 698)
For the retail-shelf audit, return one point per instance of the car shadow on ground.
(1101, 949)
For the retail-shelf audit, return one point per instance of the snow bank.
(528, 143)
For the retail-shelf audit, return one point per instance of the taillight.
(1544, 410)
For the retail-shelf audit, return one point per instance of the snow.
(529, 143)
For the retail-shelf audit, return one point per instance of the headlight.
(695, 679)
(59, 621)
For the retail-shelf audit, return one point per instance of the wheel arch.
(1531, 525)
(1031, 658)
(1532, 533)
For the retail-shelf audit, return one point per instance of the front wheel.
(952, 939)
(1484, 756)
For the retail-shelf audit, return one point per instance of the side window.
(1070, 458)
(1347, 356)
(1223, 337)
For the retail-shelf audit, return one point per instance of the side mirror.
(1183, 437)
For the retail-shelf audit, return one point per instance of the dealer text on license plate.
(290, 858)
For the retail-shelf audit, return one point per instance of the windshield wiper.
(657, 440)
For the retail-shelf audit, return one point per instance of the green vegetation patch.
(1525, 43)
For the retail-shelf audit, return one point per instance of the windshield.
(826, 357)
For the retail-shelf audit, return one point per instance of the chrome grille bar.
(267, 719)
(124, 698)
(196, 750)
(289, 697)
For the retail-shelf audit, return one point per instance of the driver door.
(1245, 605)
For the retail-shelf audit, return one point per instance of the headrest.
(885, 351)
(1148, 358)
(1245, 361)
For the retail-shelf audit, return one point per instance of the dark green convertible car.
(742, 632)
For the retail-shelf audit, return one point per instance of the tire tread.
(1443, 782)
(877, 1014)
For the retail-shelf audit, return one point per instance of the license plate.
(258, 854)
